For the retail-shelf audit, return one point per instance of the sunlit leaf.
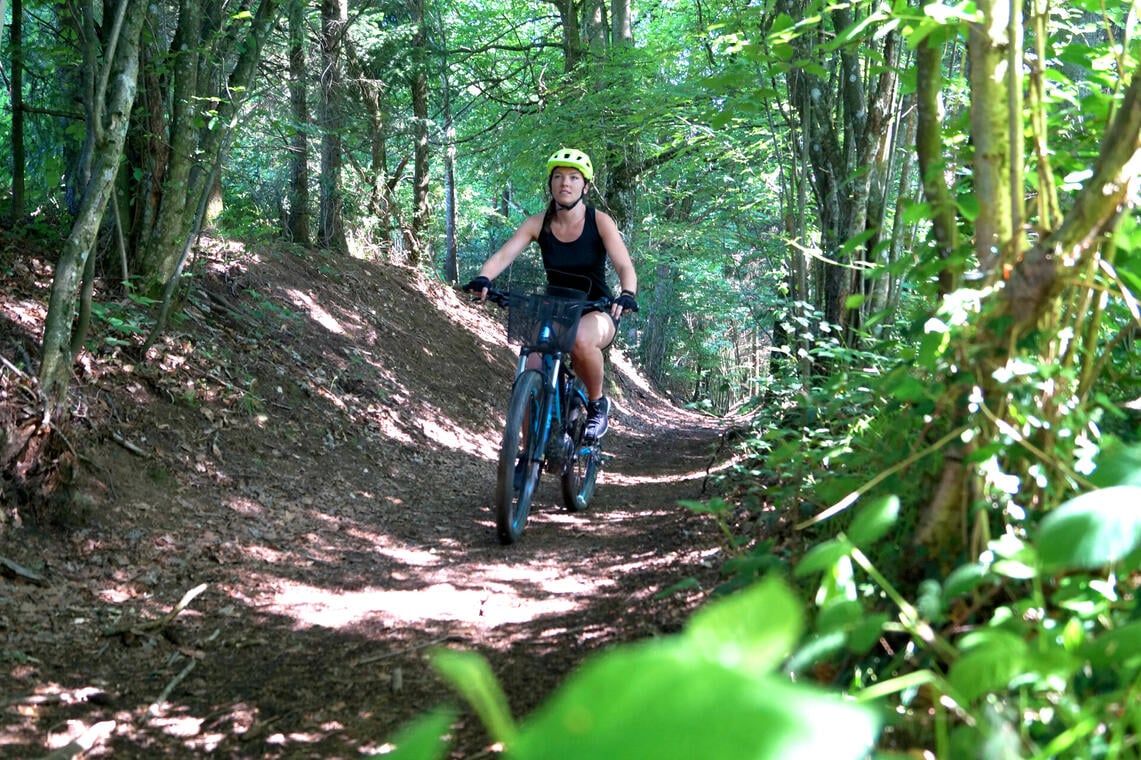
(990, 665)
(423, 738)
(874, 520)
(1117, 646)
(470, 675)
(822, 557)
(754, 629)
(663, 700)
(1091, 530)
(1118, 464)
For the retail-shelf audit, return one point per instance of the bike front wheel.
(580, 470)
(519, 457)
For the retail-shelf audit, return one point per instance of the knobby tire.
(580, 471)
(512, 498)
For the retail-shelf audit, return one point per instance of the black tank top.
(573, 265)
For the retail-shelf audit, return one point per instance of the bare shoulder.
(607, 227)
(532, 225)
(603, 218)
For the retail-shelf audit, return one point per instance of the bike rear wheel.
(580, 471)
(519, 457)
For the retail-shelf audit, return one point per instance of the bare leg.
(595, 331)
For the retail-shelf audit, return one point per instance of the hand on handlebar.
(623, 303)
(479, 285)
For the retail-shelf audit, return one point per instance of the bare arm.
(619, 256)
(527, 233)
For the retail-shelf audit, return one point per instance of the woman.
(576, 240)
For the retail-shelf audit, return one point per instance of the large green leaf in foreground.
(703, 694)
(1091, 530)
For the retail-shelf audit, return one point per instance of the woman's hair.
(549, 215)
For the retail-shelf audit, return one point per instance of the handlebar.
(505, 298)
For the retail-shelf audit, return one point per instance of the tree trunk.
(174, 193)
(416, 238)
(297, 224)
(620, 30)
(451, 265)
(160, 249)
(839, 153)
(331, 227)
(16, 42)
(572, 35)
(107, 133)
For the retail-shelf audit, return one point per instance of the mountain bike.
(546, 418)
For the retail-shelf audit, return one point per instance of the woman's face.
(567, 183)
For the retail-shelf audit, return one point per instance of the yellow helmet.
(573, 159)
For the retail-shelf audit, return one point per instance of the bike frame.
(558, 382)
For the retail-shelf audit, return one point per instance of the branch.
(1036, 279)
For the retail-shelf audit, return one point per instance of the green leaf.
(839, 614)
(964, 579)
(1092, 529)
(867, 632)
(471, 676)
(714, 506)
(686, 584)
(666, 701)
(874, 520)
(754, 629)
(1118, 464)
(1115, 647)
(822, 557)
(423, 739)
(990, 665)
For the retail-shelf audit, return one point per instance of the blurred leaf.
(714, 506)
(471, 676)
(867, 632)
(423, 738)
(665, 700)
(1092, 529)
(1118, 646)
(874, 520)
(1118, 464)
(821, 557)
(964, 579)
(754, 629)
(990, 665)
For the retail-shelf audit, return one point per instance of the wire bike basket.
(545, 322)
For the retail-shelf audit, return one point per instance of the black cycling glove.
(478, 285)
(626, 301)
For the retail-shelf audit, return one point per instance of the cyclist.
(576, 240)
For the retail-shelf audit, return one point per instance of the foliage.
(702, 693)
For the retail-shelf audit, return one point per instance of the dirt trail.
(319, 463)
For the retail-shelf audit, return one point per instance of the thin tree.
(16, 89)
(108, 114)
(298, 219)
(415, 234)
(331, 224)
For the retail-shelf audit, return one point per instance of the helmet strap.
(565, 207)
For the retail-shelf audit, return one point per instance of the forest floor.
(306, 462)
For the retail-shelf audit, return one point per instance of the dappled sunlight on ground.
(620, 479)
(488, 597)
(442, 430)
(316, 312)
